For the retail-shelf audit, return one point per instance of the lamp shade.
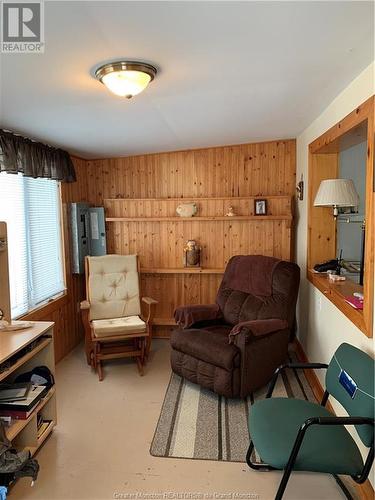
(336, 193)
(126, 83)
(126, 78)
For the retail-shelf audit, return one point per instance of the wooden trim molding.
(365, 491)
(47, 308)
(330, 138)
(322, 246)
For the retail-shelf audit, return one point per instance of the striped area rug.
(196, 423)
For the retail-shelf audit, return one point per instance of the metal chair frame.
(259, 466)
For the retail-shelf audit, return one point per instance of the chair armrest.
(149, 300)
(258, 327)
(303, 366)
(85, 314)
(249, 337)
(187, 316)
(334, 420)
(150, 309)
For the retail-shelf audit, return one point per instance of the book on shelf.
(43, 427)
(7, 421)
(17, 414)
(14, 392)
(22, 409)
(355, 302)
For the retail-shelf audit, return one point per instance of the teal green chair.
(292, 434)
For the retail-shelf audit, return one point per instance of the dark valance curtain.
(34, 159)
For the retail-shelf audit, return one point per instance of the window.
(31, 209)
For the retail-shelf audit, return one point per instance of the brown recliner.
(234, 346)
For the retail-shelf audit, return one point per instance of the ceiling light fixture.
(126, 78)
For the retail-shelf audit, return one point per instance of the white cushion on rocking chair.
(118, 326)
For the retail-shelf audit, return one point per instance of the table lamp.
(336, 193)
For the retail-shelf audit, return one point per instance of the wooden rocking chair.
(111, 313)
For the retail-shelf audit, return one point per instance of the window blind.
(31, 209)
(12, 211)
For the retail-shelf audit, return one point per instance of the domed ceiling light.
(126, 78)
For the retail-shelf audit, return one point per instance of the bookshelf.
(32, 347)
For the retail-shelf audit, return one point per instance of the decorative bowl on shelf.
(187, 209)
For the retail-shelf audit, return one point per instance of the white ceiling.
(230, 72)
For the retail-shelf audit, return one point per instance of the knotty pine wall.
(250, 170)
(267, 168)
(242, 171)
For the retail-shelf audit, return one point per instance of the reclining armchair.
(234, 346)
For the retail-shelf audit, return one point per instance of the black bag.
(14, 464)
(40, 375)
(330, 265)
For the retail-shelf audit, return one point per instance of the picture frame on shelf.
(260, 207)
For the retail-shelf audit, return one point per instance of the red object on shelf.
(354, 302)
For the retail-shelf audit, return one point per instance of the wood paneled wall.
(141, 193)
(266, 168)
(150, 228)
(251, 170)
(322, 226)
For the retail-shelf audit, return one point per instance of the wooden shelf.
(44, 343)
(191, 219)
(197, 199)
(15, 428)
(43, 437)
(14, 341)
(181, 270)
(46, 433)
(336, 293)
(23, 434)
